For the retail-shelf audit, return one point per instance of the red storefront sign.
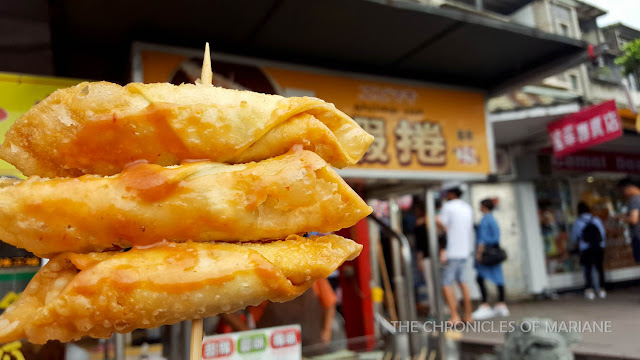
(596, 161)
(591, 126)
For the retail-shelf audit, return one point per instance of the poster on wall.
(18, 93)
(416, 127)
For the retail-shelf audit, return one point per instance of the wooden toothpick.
(196, 339)
(206, 77)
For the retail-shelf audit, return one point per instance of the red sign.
(285, 338)
(596, 161)
(217, 348)
(593, 125)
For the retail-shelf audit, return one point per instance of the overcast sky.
(625, 11)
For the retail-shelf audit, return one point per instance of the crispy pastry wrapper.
(97, 128)
(290, 194)
(96, 294)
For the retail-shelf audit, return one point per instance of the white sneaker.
(484, 312)
(602, 294)
(589, 294)
(501, 310)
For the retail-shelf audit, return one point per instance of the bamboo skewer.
(196, 339)
(206, 78)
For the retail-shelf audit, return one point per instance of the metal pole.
(396, 262)
(105, 342)
(374, 240)
(119, 346)
(434, 252)
(185, 332)
(402, 265)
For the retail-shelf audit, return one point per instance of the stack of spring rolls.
(209, 189)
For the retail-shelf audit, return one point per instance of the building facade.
(520, 122)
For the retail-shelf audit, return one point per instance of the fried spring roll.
(290, 194)
(97, 128)
(97, 294)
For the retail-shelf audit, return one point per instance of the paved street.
(622, 308)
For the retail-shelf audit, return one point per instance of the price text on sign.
(285, 338)
(217, 348)
(281, 342)
(591, 126)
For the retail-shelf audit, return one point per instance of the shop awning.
(393, 38)
(630, 120)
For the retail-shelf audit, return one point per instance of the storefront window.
(606, 201)
(557, 202)
(555, 216)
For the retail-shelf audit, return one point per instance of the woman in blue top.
(488, 234)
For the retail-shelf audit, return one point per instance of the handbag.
(493, 255)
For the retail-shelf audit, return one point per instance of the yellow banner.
(416, 128)
(18, 93)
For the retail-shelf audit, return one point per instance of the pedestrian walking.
(456, 219)
(588, 232)
(488, 238)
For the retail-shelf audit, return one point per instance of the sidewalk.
(621, 308)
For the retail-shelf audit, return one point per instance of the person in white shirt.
(456, 218)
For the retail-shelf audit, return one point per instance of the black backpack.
(592, 235)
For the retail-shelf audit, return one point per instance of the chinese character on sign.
(278, 340)
(466, 155)
(611, 122)
(292, 339)
(377, 152)
(258, 343)
(596, 127)
(209, 350)
(245, 345)
(224, 348)
(568, 135)
(583, 132)
(465, 135)
(556, 137)
(422, 138)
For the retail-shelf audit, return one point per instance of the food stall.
(422, 136)
(418, 82)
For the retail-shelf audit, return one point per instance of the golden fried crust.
(290, 194)
(97, 128)
(97, 294)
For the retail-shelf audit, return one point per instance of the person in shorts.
(456, 218)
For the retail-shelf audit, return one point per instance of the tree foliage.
(630, 61)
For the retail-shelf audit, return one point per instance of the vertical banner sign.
(281, 342)
(591, 126)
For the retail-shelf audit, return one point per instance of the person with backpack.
(588, 231)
